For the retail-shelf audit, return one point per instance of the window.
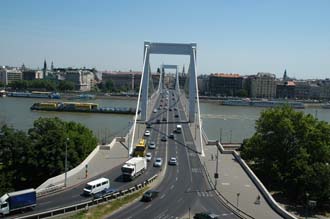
(4, 205)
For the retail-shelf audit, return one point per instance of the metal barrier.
(85, 205)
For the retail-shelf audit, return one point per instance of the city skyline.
(232, 37)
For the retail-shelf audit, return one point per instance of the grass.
(103, 210)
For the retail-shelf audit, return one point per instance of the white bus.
(178, 128)
(96, 186)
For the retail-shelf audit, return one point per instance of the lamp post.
(66, 162)
(307, 196)
(237, 198)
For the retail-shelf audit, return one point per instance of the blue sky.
(232, 36)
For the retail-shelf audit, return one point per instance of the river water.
(232, 123)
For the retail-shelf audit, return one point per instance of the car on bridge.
(163, 138)
(158, 162)
(147, 133)
(148, 156)
(155, 111)
(152, 145)
(171, 136)
(206, 215)
(164, 119)
(176, 116)
(149, 125)
(172, 161)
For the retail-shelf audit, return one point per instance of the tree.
(290, 151)
(14, 156)
(242, 93)
(49, 137)
(66, 85)
(109, 86)
(28, 160)
(19, 85)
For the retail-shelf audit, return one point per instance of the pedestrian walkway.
(235, 185)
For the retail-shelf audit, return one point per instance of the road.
(184, 188)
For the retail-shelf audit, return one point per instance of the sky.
(232, 36)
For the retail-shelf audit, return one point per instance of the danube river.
(233, 123)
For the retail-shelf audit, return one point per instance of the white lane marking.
(43, 203)
(75, 196)
(147, 207)
(176, 178)
(247, 185)
(161, 197)
(180, 200)
(172, 187)
(225, 183)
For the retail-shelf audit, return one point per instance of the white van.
(96, 186)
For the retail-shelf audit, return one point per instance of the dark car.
(163, 138)
(158, 121)
(164, 119)
(176, 116)
(148, 125)
(171, 136)
(149, 195)
(104, 193)
(170, 109)
(206, 215)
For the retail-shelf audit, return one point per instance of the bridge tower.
(168, 49)
(176, 74)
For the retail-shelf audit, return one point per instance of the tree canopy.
(28, 159)
(290, 152)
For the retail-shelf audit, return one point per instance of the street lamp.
(66, 162)
(307, 196)
(237, 198)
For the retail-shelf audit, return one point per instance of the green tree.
(109, 85)
(19, 85)
(290, 151)
(66, 85)
(14, 156)
(49, 137)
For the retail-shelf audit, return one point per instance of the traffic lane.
(206, 195)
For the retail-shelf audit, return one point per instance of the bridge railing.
(85, 205)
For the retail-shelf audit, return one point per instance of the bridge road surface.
(72, 195)
(184, 186)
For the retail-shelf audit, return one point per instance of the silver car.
(148, 156)
(158, 162)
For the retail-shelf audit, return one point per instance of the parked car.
(158, 162)
(149, 195)
(152, 145)
(105, 192)
(172, 161)
(206, 215)
(147, 133)
(148, 156)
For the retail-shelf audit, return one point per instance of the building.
(10, 75)
(325, 89)
(203, 84)
(302, 90)
(285, 90)
(261, 85)
(32, 75)
(84, 80)
(221, 84)
(127, 81)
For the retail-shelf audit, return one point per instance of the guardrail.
(85, 205)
